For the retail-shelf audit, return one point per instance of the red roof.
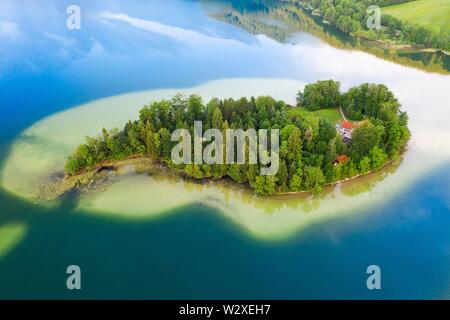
(342, 158)
(347, 125)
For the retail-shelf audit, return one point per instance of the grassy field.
(430, 14)
(331, 114)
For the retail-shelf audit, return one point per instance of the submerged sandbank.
(10, 235)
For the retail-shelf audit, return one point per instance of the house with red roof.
(341, 159)
(345, 129)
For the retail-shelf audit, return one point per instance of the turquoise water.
(197, 253)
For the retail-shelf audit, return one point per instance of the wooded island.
(314, 150)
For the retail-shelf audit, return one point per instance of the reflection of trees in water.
(253, 26)
(306, 202)
(368, 182)
(261, 17)
(303, 202)
(247, 5)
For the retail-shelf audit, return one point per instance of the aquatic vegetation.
(10, 235)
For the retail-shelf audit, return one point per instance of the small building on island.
(345, 129)
(343, 158)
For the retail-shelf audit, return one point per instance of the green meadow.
(433, 15)
(331, 114)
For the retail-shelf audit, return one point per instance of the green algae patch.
(11, 234)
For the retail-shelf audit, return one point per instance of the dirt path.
(342, 114)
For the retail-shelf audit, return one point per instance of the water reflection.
(283, 21)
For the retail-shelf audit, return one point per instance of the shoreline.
(332, 184)
(97, 178)
(380, 43)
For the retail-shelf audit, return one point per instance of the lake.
(145, 237)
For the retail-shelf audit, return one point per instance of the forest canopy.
(309, 146)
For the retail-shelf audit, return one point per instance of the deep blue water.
(195, 252)
(48, 68)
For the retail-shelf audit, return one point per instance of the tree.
(234, 171)
(282, 174)
(259, 184)
(330, 15)
(378, 158)
(252, 173)
(217, 119)
(313, 179)
(336, 173)
(367, 100)
(364, 165)
(165, 145)
(364, 139)
(193, 170)
(269, 185)
(133, 143)
(195, 109)
(295, 183)
(152, 142)
(178, 108)
(320, 95)
(294, 145)
(344, 23)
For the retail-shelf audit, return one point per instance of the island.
(329, 136)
